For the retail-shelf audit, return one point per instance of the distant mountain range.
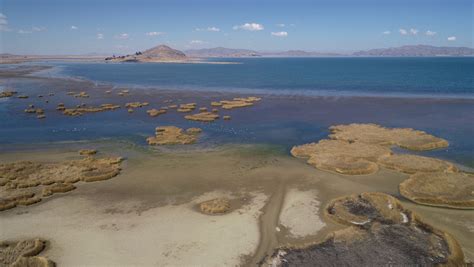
(299, 53)
(417, 51)
(221, 52)
(231, 52)
(163, 53)
(402, 51)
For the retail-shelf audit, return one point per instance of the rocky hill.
(160, 53)
(163, 52)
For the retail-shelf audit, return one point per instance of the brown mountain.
(163, 52)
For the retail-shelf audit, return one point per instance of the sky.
(125, 26)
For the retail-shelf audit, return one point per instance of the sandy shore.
(296, 204)
(116, 235)
(148, 215)
(18, 59)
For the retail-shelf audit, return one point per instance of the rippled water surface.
(316, 76)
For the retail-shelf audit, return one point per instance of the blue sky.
(122, 26)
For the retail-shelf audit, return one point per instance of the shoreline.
(101, 59)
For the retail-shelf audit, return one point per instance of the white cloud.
(403, 32)
(208, 29)
(452, 38)
(38, 29)
(197, 42)
(3, 22)
(154, 33)
(249, 27)
(74, 27)
(281, 25)
(122, 36)
(100, 36)
(280, 34)
(413, 31)
(3, 19)
(33, 29)
(386, 32)
(430, 33)
(24, 32)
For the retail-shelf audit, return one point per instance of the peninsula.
(160, 53)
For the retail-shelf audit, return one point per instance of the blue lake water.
(285, 117)
(316, 76)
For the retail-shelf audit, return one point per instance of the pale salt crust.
(83, 233)
(301, 204)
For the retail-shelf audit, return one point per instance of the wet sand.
(147, 215)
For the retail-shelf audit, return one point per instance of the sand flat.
(168, 235)
(148, 215)
(300, 213)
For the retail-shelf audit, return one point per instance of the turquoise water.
(437, 77)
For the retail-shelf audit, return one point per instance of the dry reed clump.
(441, 189)
(155, 112)
(410, 164)
(79, 111)
(357, 149)
(202, 116)
(375, 134)
(24, 253)
(215, 206)
(87, 152)
(341, 156)
(7, 94)
(136, 104)
(238, 102)
(172, 135)
(186, 107)
(25, 182)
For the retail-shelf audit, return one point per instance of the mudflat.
(150, 212)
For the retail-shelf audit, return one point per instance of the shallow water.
(278, 120)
